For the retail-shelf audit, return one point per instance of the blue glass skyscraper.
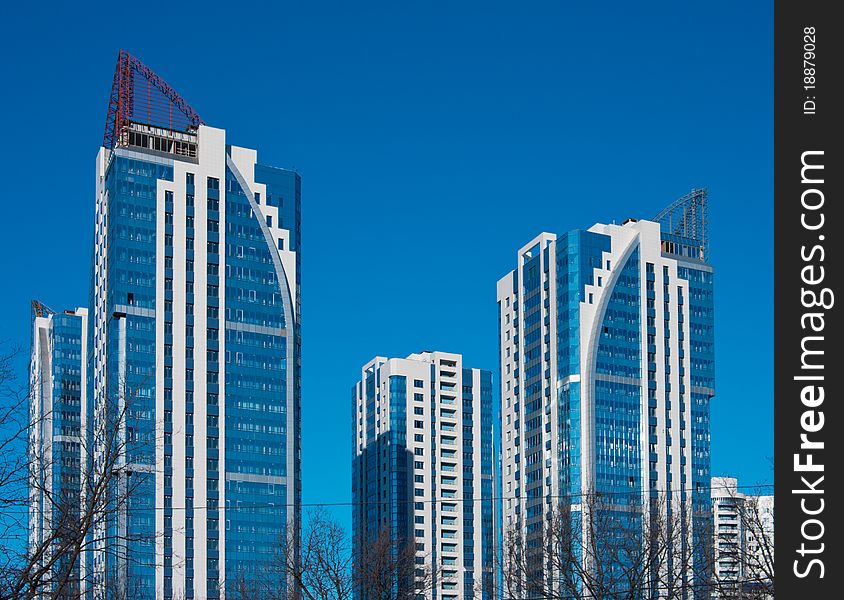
(607, 372)
(58, 446)
(195, 348)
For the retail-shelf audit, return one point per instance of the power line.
(429, 501)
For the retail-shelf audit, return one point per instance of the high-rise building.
(194, 348)
(423, 471)
(727, 505)
(607, 372)
(58, 444)
(743, 539)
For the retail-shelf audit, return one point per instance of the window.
(418, 383)
(269, 220)
(418, 410)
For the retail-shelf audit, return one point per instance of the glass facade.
(127, 406)
(606, 355)
(58, 443)
(256, 384)
(577, 254)
(698, 309)
(196, 355)
(618, 400)
(484, 565)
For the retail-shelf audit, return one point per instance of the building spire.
(138, 95)
(39, 309)
(687, 217)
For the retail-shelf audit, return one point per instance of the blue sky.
(433, 141)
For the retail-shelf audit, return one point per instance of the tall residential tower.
(195, 348)
(423, 474)
(58, 445)
(607, 372)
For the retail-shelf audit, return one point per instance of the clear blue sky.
(433, 142)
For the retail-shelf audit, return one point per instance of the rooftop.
(144, 111)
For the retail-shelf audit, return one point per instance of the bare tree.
(14, 426)
(759, 547)
(750, 550)
(87, 523)
(316, 563)
(80, 516)
(601, 548)
(321, 565)
(328, 567)
(387, 568)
